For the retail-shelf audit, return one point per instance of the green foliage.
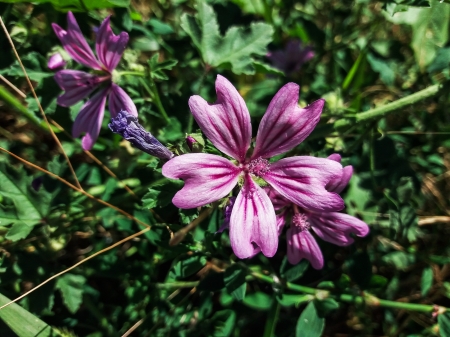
(234, 279)
(309, 323)
(235, 48)
(71, 287)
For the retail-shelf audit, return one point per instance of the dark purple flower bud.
(190, 142)
(129, 128)
(56, 61)
(37, 183)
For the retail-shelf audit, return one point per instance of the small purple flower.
(56, 61)
(333, 227)
(208, 178)
(79, 84)
(127, 125)
(292, 57)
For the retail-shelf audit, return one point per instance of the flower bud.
(129, 128)
(56, 61)
(195, 142)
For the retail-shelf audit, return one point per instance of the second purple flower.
(79, 84)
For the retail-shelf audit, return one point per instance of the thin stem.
(362, 117)
(153, 91)
(131, 73)
(272, 319)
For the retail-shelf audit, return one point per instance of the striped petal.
(285, 124)
(90, 119)
(75, 44)
(226, 123)
(253, 223)
(207, 178)
(119, 100)
(302, 245)
(76, 84)
(110, 47)
(302, 181)
(337, 227)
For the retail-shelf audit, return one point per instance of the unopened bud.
(56, 61)
(129, 128)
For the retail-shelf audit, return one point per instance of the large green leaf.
(22, 322)
(430, 29)
(309, 323)
(30, 207)
(235, 48)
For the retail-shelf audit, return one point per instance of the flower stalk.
(379, 112)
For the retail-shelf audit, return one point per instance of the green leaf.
(30, 207)
(235, 48)
(22, 322)
(382, 67)
(18, 231)
(441, 61)
(160, 27)
(326, 306)
(223, 322)
(189, 266)
(157, 67)
(292, 272)
(258, 301)
(234, 278)
(161, 194)
(71, 287)
(426, 281)
(444, 324)
(309, 323)
(264, 68)
(288, 300)
(430, 29)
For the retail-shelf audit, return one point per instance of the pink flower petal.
(336, 227)
(226, 123)
(281, 221)
(302, 181)
(90, 119)
(337, 185)
(207, 178)
(76, 84)
(285, 124)
(109, 46)
(253, 223)
(56, 61)
(119, 100)
(302, 245)
(75, 44)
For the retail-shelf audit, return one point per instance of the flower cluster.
(302, 181)
(79, 84)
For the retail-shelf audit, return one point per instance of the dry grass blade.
(75, 188)
(12, 86)
(76, 265)
(39, 105)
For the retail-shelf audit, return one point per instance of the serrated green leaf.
(235, 48)
(18, 231)
(309, 323)
(161, 195)
(234, 278)
(30, 206)
(22, 322)
(71, 287)
(264, 68)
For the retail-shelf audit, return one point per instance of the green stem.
(320, 294)
(153, 91)
(272, 319)
(131, 73)
(382, 111)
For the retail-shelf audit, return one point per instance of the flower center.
(259, 167)
(301, 221)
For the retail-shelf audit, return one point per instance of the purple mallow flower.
(79, 84)
(208, 178)
(56, 62)
(333, 227)
(127, 125)
(292, 57)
